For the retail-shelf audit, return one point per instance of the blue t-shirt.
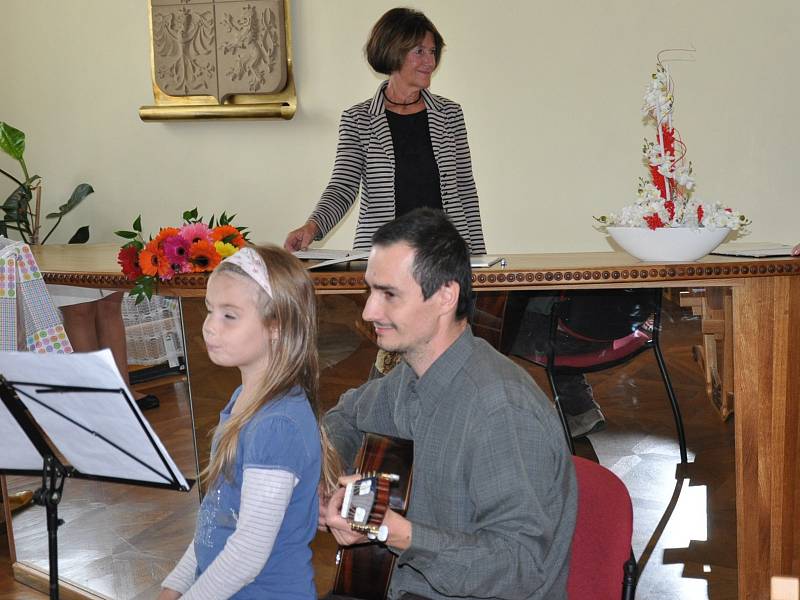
(283, 435)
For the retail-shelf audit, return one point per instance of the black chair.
(613, 326)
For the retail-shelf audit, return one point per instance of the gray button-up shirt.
(494, 495)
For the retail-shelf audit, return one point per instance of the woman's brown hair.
(395, 35)
(291, 311)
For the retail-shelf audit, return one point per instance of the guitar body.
(364, 571)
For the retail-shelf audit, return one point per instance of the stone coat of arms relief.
(219, 48)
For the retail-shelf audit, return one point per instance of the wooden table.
(766, 312)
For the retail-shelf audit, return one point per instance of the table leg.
(767, 391)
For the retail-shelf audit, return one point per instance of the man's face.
(404, 322)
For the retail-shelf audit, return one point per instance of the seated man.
(493, 502)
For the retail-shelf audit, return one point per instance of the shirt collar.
(377, 107)
(438, 379)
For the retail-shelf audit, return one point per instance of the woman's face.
(419, 64)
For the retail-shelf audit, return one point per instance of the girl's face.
(234, 331)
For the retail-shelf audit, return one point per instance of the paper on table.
(753, 249)
(335, 261)
(107, 414)
(484, 260)
(321, 254)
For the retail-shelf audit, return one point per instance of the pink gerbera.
(196, 232)
(176, 249)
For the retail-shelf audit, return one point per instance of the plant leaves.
(143, 288)
(81, 236)
(135, 243)
(137, 224)
(190, 216)
(12, 141)
(128, 235)
(78, 194)
(21, 195)
(16, 207)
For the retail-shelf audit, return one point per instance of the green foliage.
(20, 211)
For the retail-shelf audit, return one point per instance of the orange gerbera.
(228, 234)
(148, 262)
(153, 261)
(164, 233)
(203, 256)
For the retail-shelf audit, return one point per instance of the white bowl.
(670, 244)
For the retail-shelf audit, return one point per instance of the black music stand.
(97, 428)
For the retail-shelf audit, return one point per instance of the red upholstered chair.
(601, 564)
(615, 326)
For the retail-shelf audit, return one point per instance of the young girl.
(260, 510)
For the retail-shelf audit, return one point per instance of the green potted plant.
(22, 209)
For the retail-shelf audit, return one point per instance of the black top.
(416, 175)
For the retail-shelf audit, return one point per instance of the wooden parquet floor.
(684, 529)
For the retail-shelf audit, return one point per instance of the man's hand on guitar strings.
(338, 526)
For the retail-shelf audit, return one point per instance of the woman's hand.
(796, 250)
(300, 238)
(168, 594)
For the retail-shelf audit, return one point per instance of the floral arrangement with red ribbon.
(194, 247)
(665, 198)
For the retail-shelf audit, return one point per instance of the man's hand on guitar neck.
(330, 517)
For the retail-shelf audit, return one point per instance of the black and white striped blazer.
(365, 158)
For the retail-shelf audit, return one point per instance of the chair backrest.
(601, 543)
(606, 315)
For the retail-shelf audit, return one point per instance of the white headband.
(250, 261)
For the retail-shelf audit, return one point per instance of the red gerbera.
(654, 221)
(128, 259)
(203, 256)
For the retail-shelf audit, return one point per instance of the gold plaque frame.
(282, 104)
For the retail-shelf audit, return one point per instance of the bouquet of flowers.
(665, 198)
(192, 248)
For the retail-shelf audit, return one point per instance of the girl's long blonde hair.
(293, 360)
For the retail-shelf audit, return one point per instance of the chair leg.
(676, 411)
(560, 411)
(629, 577)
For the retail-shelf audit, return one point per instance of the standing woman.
(405, 147)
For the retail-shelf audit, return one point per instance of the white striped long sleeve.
(365, 161)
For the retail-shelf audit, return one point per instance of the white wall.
(551, 91)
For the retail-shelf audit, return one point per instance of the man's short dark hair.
(395, 34)
(440, 254)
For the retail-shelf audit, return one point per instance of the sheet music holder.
(75, 406)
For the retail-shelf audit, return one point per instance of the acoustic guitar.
(363, 571)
